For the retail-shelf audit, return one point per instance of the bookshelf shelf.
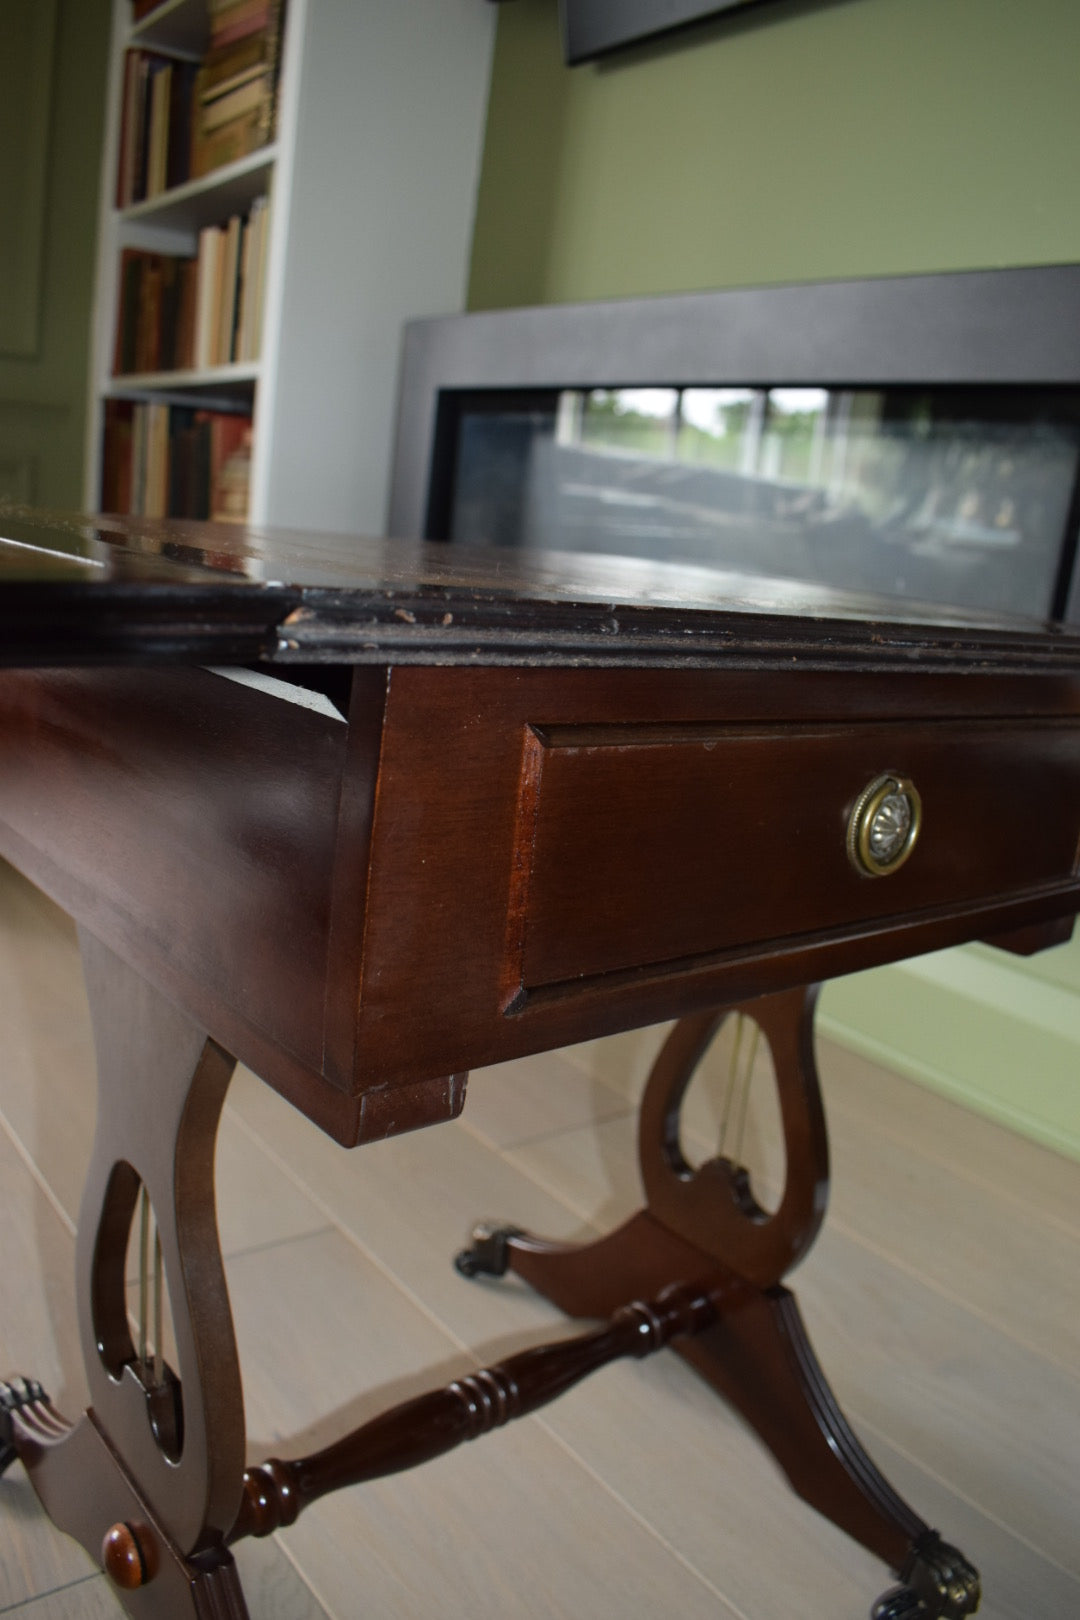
(177, 26)
(228, 190)
(236, 379)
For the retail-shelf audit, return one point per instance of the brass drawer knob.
(884, 825)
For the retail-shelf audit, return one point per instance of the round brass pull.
(884, 825)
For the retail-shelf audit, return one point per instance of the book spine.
(158, 140)
(246, 98)
(154, 316)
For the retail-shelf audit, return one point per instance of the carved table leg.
(757, 1354)
(149, 1480)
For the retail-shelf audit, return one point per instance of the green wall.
(801, 139)
(53, 60)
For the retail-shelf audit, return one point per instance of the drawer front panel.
(648, 847)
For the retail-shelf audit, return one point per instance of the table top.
(77, 590)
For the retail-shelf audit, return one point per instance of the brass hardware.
(884, 825)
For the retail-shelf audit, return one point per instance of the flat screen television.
(916, 437)
(595, 27)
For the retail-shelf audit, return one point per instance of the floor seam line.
(639, 1518)
(65, 1586)
(837, 1224)
(37, 1175)
(868, 1426)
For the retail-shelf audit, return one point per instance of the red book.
(230, 468)
(116, 457)
(238, 23)
(149, 342)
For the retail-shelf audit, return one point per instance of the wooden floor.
(943, 1298)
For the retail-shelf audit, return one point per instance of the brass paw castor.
(487, 1255)
(937, 1583)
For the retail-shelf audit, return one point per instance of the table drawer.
(651, 846)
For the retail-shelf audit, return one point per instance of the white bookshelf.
(372, 179)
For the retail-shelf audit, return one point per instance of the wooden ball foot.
(129, 1556)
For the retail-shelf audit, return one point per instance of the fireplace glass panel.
(962, 497)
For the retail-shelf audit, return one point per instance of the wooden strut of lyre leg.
(149, 1479)
(757, 1354)
(436, 1422)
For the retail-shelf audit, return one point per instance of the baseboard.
(997, 1034)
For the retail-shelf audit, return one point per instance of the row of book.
(182, 119)
(177, 313)
(162, 460)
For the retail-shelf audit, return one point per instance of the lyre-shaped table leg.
(757, 1355)
(149, 1480)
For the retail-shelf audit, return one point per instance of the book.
(158, 136)
(155, 318)
(116, 456)
(181, 114)
(125, 174)
(208, 295)
(230, 469)
(161, 460)
(245, 287)
(186, 315)
(237, 20)
(156, 492)
(155, 126)
(127, 313)
(223, 107)
(259, 254)
(148, 324)
(232, 141)
(230, 270)
(224, 65)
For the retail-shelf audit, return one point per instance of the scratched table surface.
(113, 590)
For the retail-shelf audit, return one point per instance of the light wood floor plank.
(38, 1338)
(49, 1056)
(964, 1145)
(88, 1599)
(1000, 1424)
(453, 1179)
(517, 1102)
(991, 1254)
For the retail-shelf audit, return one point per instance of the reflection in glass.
(635, 421)
(955, 496)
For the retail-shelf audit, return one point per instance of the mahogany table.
(364, 816)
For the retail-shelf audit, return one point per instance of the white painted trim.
(975, 1026)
